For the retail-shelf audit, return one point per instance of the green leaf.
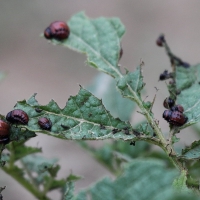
(189, 97)
(38, 164)
(180, 182)
(131, 83)
(140, 180)
(113, 154)
(20, 150)
(84, 117)
(191, 152)
(20, 134)
(69, 191)
(98, 38)
(104, 87)
(54, 184)
(185, 77)
(145, 128)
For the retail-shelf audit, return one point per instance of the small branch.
(35, 192)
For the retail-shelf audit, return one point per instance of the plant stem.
(167, 147)
(25, 183)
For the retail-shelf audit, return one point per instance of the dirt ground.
(34, 66)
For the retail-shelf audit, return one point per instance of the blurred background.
(32, 65)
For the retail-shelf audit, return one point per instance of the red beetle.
(178, 108)
(175, 117)
(168, 102)
(45, 123)
(17, 116)
(4, 131)
(57, 30)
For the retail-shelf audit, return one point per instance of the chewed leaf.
(192, 152)
(98, 38)
(83, 117)
(189, 98)
(131, 83)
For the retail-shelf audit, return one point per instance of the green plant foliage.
(68, 189)
(180, 182)
(104, 87)
(189, 97)
(21, 150)
(84, 117)
(192, 152)
(131, 83)
(46, 170)
(140, 180)
(112, 155)
(98, 38)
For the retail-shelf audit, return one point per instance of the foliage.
(103, 111)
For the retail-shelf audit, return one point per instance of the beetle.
(165, 75)
(175, 117)
(168, 103)
(178, 108)
(17, 116)
(58, 30)
(45, 123)
(4, 131)
(160, 40)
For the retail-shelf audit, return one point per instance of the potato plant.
(141, 171)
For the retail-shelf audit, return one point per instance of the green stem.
(167, 147)
(35, 185)
(25, 183)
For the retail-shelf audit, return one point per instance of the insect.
(132, 143)
(38, 110)
(45, 123)
(115, 130)
(168, 103)
(160, 40)
(4, 131)
(57, 30)
(65, 127)
(17, 116)
(165, 75)
(178, 108)
(175, 117)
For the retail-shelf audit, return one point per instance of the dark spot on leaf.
(136, 133)
(102, 126)
(84, 137)
(132, 143)
(65, 127)
(38, 110)
(115, 130)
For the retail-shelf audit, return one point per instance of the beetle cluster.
(175, 114)
(18, 116)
